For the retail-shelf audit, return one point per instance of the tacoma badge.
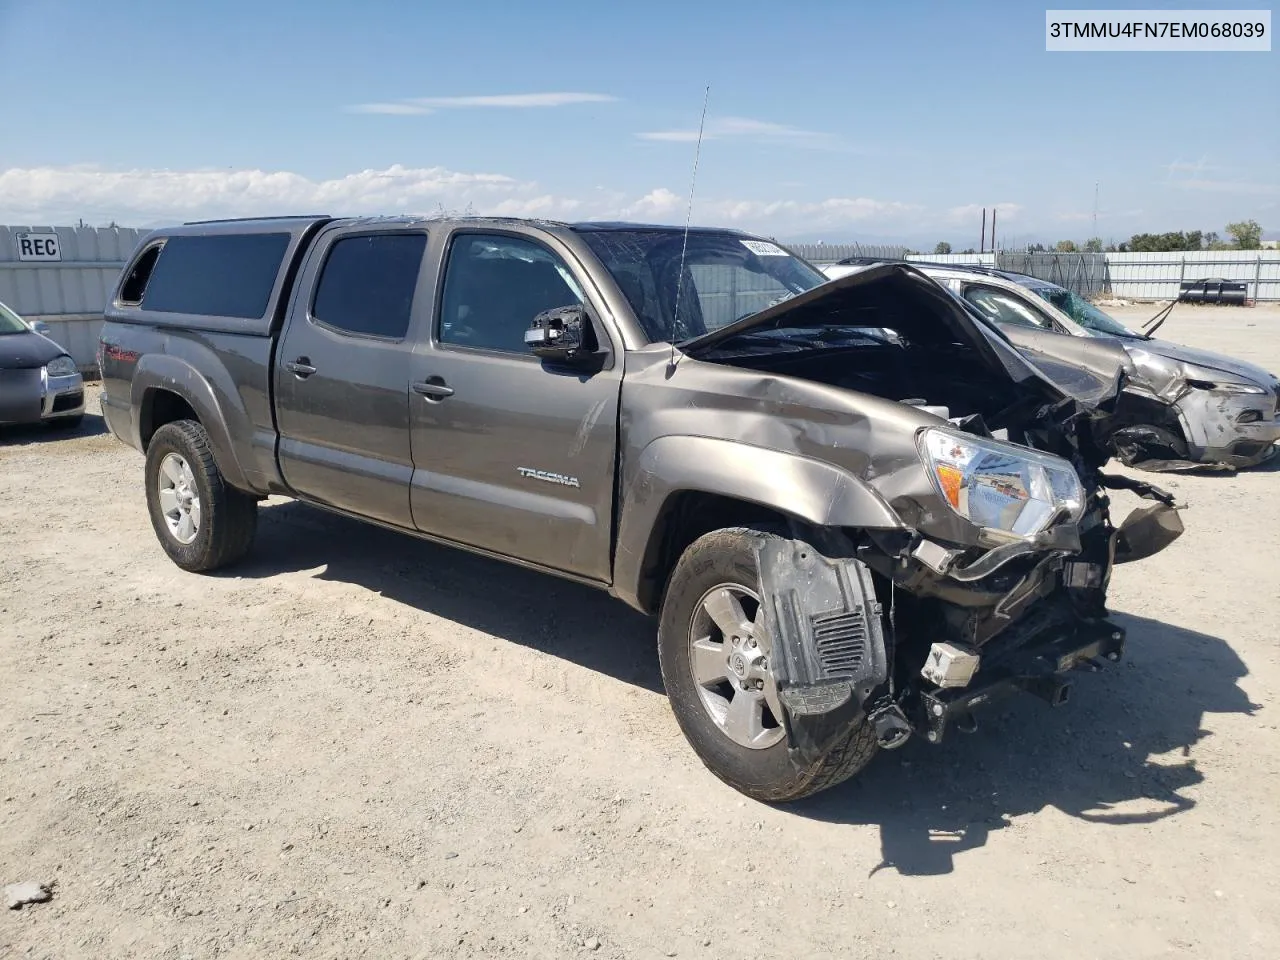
(559, 478)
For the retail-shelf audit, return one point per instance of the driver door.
(512, 454)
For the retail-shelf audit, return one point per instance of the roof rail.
(289, 216)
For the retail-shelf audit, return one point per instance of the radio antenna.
(688, 218)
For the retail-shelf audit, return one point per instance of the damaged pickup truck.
(855, 509)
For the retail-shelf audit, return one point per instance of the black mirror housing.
(562, 335)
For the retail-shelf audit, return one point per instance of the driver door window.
(1002, 307)
(493, 288)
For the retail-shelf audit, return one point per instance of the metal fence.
(1138, 276)
(77, 282)
(824, 253)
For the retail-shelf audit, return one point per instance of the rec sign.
(41, 247)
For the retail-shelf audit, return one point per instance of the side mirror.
(562, 335)
(39, 326)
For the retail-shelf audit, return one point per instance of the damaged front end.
(1207, 411)
(909, 635)
(994, 577)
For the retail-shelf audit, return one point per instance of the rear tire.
(726, 558)
(201, 521)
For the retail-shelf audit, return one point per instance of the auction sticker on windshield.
(763, 249)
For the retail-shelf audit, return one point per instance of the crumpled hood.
(1205, 358)
(1091, 383)
(21, 351)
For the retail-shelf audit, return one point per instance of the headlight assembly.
(1009, 490)
(1204, 378)
(60, 367)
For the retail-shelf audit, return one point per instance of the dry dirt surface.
(357, 744)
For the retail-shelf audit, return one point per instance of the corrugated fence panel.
(1158, 276)
(822, 253)
(80, 283)
(963, 259)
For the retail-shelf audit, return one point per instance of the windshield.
(1083, 312)
(726, 277)
(10, 322)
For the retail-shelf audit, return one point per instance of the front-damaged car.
(870, 513)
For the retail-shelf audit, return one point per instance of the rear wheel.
(715, 652)
(202, 522)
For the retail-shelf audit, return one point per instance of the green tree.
(942, 247)
(1066, 246)
(1093, 245)
(1247, 234)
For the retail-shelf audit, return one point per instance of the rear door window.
(1002, 307)
(217, 276)
(367, 283)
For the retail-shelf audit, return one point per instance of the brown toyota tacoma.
(854, 509)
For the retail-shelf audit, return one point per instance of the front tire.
(714, 657)
(201, 521)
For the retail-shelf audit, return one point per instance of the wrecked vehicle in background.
(855, 509)
(1189, 408)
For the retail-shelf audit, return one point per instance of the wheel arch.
(683, 487)
(166, 389)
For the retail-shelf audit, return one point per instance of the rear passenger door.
(342, 372)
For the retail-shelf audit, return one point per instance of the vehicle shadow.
(1118, 753)
(17, 435)
(558, 617)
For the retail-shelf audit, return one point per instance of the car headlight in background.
(1004, 488)
(60, 367)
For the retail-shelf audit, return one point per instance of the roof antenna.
(688, 218)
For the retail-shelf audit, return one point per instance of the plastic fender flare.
(811, 490)
(166, 372)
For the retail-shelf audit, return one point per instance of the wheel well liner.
(160, 406)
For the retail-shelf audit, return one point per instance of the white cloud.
(421, 105)
(47, 195)
(973, 211)
(807, 215)
(655, 204)
(65, 194)
(722, 128)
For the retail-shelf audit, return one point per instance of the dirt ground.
(357, 744)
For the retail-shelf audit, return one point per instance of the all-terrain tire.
(228, 517)
(727, 556)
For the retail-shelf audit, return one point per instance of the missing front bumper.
(1041, 668)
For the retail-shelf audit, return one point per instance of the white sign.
(762, 248)
(39, 247)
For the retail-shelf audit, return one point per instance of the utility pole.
(993, 229)
(1095, 210)
(982, 243)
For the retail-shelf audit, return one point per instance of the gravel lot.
(357, 744)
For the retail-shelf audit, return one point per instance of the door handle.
(433, 388)
(300, 368)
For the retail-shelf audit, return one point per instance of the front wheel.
(715, 652)
(202, 521)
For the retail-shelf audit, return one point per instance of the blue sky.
(826, 120)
